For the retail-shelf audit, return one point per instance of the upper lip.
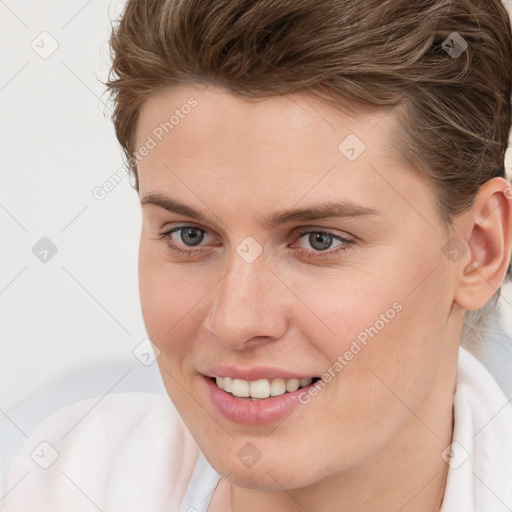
(254, 373)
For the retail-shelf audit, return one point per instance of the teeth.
(259, 388)
(227, 384)
(278, 387)
(292, 385)
(240, 388)
(262, 388)
(305, 382)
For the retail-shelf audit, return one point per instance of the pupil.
(324, 238)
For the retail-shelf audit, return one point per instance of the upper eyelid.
(298, 229)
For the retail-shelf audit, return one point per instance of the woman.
(325, 213)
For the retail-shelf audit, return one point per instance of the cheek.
(166, 293)
(153, 293)
(384, 354)
(173, 304)
(167, 299)
(392, 327)
(351, 306)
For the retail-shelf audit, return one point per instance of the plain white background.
(80, 308)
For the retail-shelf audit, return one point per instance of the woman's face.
(257, 298)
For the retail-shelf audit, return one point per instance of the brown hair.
(447, 65)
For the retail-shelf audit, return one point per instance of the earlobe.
(488, 231)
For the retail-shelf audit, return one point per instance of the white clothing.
(129, 452)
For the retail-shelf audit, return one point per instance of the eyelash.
(315, 254)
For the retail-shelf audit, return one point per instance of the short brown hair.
(447, 65)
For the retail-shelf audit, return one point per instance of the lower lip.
(253, 412)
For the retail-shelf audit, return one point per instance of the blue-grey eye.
(320, 241)
(191, 236)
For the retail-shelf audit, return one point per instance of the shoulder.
(123, 451)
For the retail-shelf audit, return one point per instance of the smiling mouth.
(262, 388)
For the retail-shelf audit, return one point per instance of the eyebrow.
(342, 209)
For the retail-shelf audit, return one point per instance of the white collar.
(480, 473)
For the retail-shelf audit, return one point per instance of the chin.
(262, 481)
(264, 475)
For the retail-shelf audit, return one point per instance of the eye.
(189, 236)
(321, 241)
(179, 238)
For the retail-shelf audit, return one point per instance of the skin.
(372, 439)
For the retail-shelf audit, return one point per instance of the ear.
(487, 229)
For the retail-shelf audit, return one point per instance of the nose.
(247, 309)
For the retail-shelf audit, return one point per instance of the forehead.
(287, 117)
(277, 148)
(298, 125)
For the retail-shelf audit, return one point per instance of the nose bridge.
(244, 305)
